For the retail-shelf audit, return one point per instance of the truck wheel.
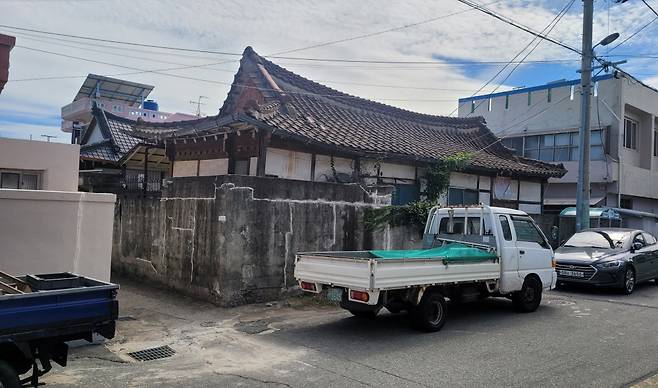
(528, 299)
(430, 315)
(364, 314)
(8, 376)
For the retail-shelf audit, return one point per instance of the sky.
(453, 46)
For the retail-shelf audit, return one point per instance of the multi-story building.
(542, 122)
(112, 160)
(121, 98)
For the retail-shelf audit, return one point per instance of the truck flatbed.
(394, 269)
(39, 313)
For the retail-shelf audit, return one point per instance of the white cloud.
(283, 25)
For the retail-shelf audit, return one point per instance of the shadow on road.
(394, 332)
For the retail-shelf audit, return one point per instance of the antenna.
(49, 137)
(198, 104)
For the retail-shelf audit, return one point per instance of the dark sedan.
(608, 257)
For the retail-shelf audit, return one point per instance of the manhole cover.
(152, 353)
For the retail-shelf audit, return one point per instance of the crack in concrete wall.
(232, 248)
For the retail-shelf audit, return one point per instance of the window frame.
(507, 232)
(21, 174)
(543, 243)
(635, 127)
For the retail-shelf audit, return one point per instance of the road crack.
(252, 379)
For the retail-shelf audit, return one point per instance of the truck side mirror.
(636, 246)
(555, 233)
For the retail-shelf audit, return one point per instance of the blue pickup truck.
(39, 314)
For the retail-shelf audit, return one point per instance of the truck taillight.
(359, 295)
(306, 286)
(553, 263)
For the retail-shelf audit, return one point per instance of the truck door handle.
(522, 252)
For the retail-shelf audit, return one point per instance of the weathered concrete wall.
(233, 239)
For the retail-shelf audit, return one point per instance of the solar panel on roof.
(127, 92)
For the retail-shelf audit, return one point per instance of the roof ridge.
(348, 99)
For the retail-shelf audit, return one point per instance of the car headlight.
(609, 264)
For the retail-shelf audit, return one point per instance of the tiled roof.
(102, 151)
(309, 110)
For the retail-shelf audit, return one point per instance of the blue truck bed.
(42, 312)
(39, 313)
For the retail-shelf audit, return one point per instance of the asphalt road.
(576, 338)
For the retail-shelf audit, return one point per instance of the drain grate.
(153, 353)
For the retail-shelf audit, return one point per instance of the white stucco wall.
(57, 162)
(209, 167)
(185, 168)
(53, 231)
(288, 164)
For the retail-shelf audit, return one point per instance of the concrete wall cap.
(66, 196)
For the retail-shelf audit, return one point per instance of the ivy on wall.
(415, 213)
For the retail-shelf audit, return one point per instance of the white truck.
(469, 253)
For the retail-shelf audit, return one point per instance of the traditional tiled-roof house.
(112, 159)
(277, 123)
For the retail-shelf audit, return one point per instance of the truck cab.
(522, 247)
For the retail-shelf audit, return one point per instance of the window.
(529, 98)
(472, 106)
(17, 179)
(462, 196)
(526, 230)
(10, 180)
(626, 203)
(458, 226)
(562, 147)
(507, 101)
(507, 232)
(639, 239)
(515, 144)
(490, 104)
(650, 240)
(572, 91)
(655, 143)
(630, 133)
(548, 95)
(242, 167)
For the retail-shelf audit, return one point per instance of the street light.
(607, 40)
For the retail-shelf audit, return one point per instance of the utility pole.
(48, 137)
(582, 195)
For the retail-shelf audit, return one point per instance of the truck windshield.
(458, 226)
(598, 239)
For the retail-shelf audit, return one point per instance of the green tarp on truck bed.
(452, 253)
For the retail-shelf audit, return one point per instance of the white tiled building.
(542, 122)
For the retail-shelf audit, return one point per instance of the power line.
(221, 82)
(552, 23)
(650, 7)
(185, 49)
(426, 64)
(641, 28)
(520, 26)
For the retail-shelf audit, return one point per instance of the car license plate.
(573, 274)
(335, 294)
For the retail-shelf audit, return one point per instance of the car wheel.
(8, 376)
(629, 281)
(431, 313)
(528, 299)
